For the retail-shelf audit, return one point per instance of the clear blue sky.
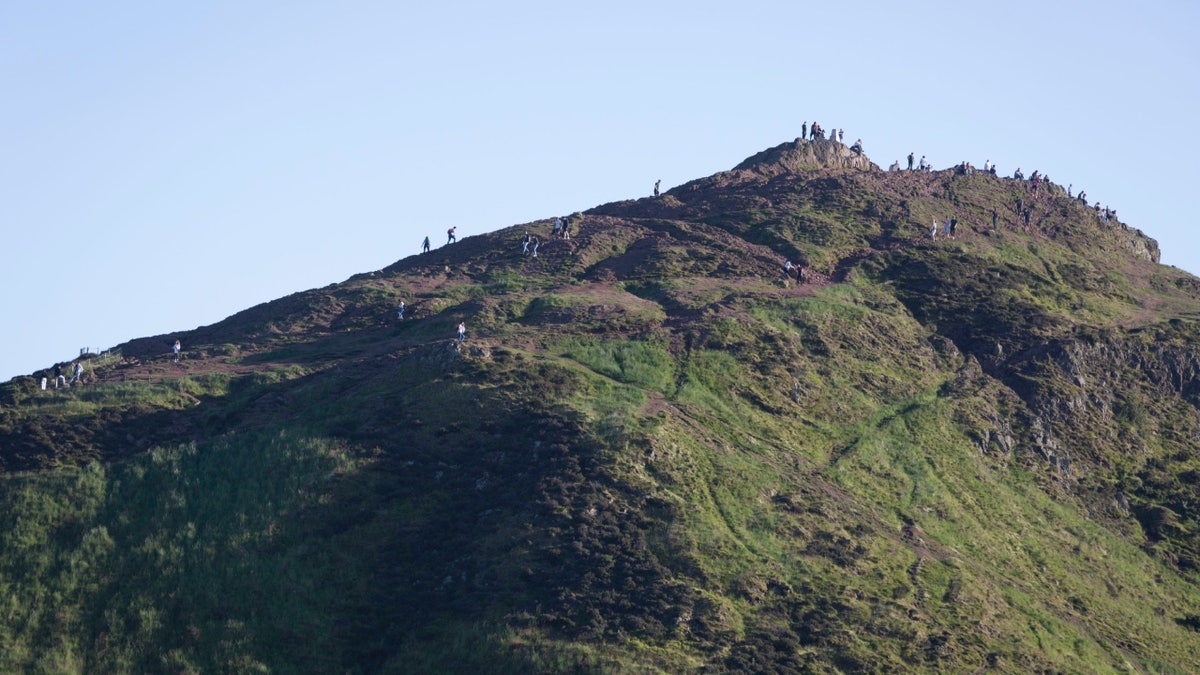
(164, 165)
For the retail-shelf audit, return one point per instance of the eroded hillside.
(653, 452)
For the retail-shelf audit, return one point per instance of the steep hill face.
(653, 451)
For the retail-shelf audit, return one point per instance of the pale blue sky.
(164, 165)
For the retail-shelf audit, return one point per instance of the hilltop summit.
(800, 155)
(656, 450)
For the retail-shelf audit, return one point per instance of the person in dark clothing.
(425, 245)
(804, 130)
(995, 217)
(910, 161)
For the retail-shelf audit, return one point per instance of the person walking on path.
(175, 349)
(535, 246)
(400, 311)
(462, 331)
(525, 243)
(995, 216)
(78, 373)
(450, 238)
(425, 245)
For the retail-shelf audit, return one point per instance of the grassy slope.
(648, 456)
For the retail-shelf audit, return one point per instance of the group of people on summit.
(816, 132)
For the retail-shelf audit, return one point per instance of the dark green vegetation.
(651, 454)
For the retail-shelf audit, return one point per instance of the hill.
(653, 452)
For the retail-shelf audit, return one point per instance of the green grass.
(644, 364)
(89, 555)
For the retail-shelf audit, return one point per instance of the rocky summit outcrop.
(806, 155)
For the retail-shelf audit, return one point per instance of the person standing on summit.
(425, 245)
(450, 238)
(656, 184)
(910, 161)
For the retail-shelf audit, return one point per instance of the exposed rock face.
(801, 154)
(1140, 245)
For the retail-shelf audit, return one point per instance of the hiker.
(535, 245)
(656, 184)
(933, 230)
(566, 231)
(400, 311)
(995, 216)
(425, 245)
(1028, 213)
(953, 227)
(857, 147)
(450, 238)
(787, 269)
(175, 349)
(987, 166)
(923, 166)
(804, 130)
(895, 166)
(910, 161)
(525, 243)
(946, 227)
(841, 135)
(1017, 175)
(78, 373)
(462, 331)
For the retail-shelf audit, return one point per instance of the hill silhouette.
(653, 452)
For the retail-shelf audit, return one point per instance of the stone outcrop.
(800, 155)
